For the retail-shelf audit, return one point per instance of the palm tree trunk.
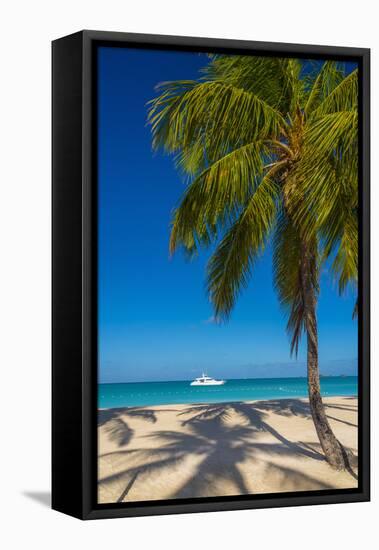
(334, 452)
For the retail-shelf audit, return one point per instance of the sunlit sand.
(186, 451)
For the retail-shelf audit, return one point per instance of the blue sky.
(155, 319)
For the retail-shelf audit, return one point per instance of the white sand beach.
(186, 451)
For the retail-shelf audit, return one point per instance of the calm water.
(164, 393)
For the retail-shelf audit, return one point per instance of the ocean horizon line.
(227, 379)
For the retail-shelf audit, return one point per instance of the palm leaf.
(216, 196)
(327, 78)
(288, 281)
(217, 116)
(345, 264)
(331, 131)
(270, 78)
(324, 202)
(344, 97)
(226, 130)
(230, 266)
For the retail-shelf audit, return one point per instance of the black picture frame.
(74, 274)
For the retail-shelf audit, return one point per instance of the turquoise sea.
(165, 393)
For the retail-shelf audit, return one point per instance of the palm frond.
(215, 116)
(323, 83)
(325, 203)
(270, 78)
(344, 97)
(254, 135)
(331, 131)
(230, 266)
(216, 196)
(289, 285)
(163, 113)
(345, 264)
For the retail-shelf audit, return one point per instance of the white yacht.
(205, 380)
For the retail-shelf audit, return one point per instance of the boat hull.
(215, 383)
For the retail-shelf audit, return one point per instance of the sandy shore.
(181, 451)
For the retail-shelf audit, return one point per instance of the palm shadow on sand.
(219, 447)
(115, 424)
(295, 407)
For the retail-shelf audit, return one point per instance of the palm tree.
(269, 149)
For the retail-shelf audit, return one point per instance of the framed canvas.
(210, 275)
